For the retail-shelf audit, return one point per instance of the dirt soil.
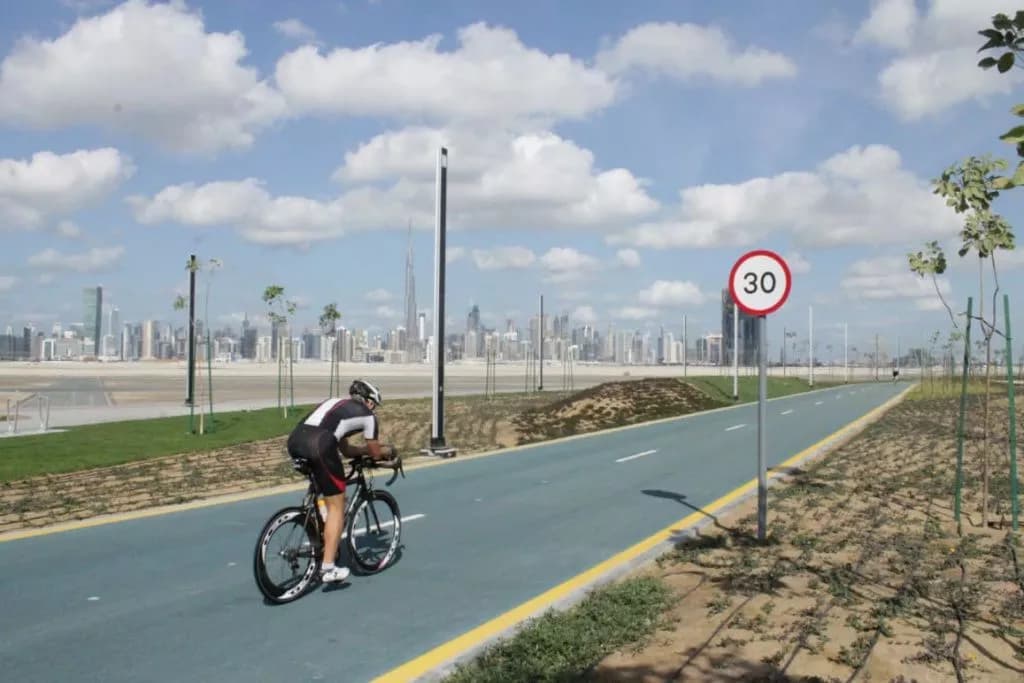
(473, 424)
(611, 405)
(864, 576)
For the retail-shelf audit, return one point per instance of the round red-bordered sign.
(760, 282)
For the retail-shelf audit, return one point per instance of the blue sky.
(615, 157)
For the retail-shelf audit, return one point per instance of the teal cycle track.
(172, 598)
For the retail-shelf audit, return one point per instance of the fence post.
(960, 426)
(1011, 390)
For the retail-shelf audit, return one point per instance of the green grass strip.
(562, 646)
(114, 443)
(720, 388)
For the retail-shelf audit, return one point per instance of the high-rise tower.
(410, 300)
(92, 319)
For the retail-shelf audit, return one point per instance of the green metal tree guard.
(209, 377)
(1014, 503)
(963, 409)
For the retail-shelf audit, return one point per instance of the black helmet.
(366, 390)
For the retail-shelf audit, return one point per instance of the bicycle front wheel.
(288, 555)
(374, 530)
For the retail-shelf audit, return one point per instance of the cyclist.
(318, 438)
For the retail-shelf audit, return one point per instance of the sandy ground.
(864, 576)
(90, 392)
(552, 369)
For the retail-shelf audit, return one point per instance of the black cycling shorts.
(320, 448)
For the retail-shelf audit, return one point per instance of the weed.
(719, 604)
(855, 654)
(561, 646)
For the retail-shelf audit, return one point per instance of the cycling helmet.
(366, 390)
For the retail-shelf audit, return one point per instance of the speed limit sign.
(760, 282)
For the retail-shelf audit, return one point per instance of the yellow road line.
(288, 488)
(442, 654)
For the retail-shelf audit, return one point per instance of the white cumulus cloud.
(862, 196)
(247, 206)
(150, 69)
(32, 190)
(69, 229)
(565, 264)
(936, 62)
(490, 75)
(7, 282)
(453, 254)
(379, 295)
(295, 29)
(628, 258)
(889, 278)
(664, 293)
(515, 181)
(502, 178)
(689, 52)
(503, 258)
(798, 265)
(91, 261)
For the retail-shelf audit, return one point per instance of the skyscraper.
(410, 299)
(114, 321)
(748, 333)
(92, 320)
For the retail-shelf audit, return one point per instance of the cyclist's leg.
(328, 470)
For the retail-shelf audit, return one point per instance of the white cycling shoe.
(334, 574)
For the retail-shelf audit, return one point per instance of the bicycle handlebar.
(395, 464)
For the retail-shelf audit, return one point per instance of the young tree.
(329, 323)
(212, 265)
(279, 313)
(970, 188)
(181, 304)
(1007, 37)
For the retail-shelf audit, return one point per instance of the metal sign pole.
(810, 345)
(762, 485)
(735, 352)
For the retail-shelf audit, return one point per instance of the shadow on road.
(690, 539)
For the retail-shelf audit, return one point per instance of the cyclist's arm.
(373, 448)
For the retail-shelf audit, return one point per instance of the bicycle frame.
(357, 486)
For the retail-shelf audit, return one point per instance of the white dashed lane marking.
(636, 455)
(362, 530)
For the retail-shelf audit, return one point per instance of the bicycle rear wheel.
(288, 555)
(373, 531)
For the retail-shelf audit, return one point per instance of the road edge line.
(442, 659)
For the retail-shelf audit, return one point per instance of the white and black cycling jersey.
(344, 417)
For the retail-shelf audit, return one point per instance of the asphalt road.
(171, 598)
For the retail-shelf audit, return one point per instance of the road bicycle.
(302, 528)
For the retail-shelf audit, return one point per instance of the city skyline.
(161, 339)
